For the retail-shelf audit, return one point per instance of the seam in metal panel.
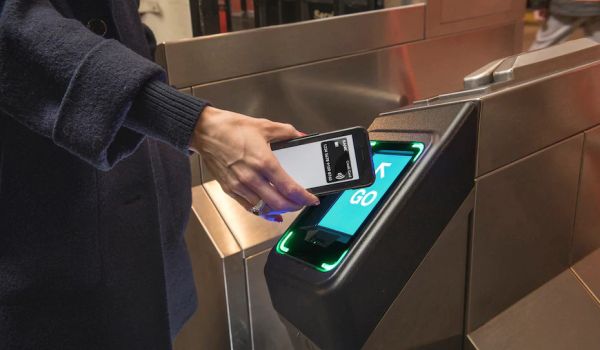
(470, 223)
(526, 157)
(249, 303)
(581, 160)
(585, 286)
(419, 7)
(307, 63)
(224, 222)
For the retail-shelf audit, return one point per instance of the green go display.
(321, 236)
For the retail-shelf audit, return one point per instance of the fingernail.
(316, 203)
(302, 133)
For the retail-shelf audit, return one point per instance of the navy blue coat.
(94, 181)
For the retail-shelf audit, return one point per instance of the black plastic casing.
(339, 309)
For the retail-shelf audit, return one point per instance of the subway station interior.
(489, 241)
(487, 237)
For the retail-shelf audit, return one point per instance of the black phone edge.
(362, 150)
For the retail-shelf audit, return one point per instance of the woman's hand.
(236, 150)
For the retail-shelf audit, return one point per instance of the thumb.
(281, 132)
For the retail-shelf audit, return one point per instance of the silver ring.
(257, 208)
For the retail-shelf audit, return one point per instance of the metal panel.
(588, 271)
(237, 302)
(208, 328)
(208, 215)
(586, 236)
(224, 271)
(267, 330)
(213, 58)
(559, 315)
(522, 228)
(534, 115)
(253, 234)
(353, 90)
(429, 310)
(554, 59)
(451, 16)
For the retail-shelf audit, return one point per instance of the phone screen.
(320, 163)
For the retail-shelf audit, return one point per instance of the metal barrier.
(318, 75)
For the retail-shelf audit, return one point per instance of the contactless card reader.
(321, 236)
(341, 266)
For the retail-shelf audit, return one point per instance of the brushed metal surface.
(536, 114)
(252, 234)
(219, 273)
(559, 315)
(522, 228)
(208, 328)
(586, 235)
(352, 90)
(237, 302)
(482, 76)
(429, 309)
(207, 214)
(588, 272)
(451, 16)
(550, 60)
(223, 56)
(267, 330)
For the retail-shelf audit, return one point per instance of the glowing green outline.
(420, 146)
(281, 248)
(373, 143)
(328, 267)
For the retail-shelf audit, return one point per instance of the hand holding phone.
(236, 150)
(329, 162)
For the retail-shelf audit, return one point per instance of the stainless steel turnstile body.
(318, 75)
(518, 266)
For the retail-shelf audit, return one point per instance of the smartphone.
(329, 162)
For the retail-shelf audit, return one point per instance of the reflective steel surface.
(559, 315)
(214, 58)
(208, 328)
(429, 310)
(352, 90)
(545, 62)
(536, 114)
(267, 330)
(450, 16)
(318, 75)
(586, 234)
(588, 272)
(522, 228)
(251, 233)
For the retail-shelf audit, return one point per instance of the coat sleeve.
(89, 95)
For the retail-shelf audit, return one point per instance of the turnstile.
(318, 75)
(487, 241)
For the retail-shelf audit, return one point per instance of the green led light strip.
(328, 267)
(420, 147)
(281, 248)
